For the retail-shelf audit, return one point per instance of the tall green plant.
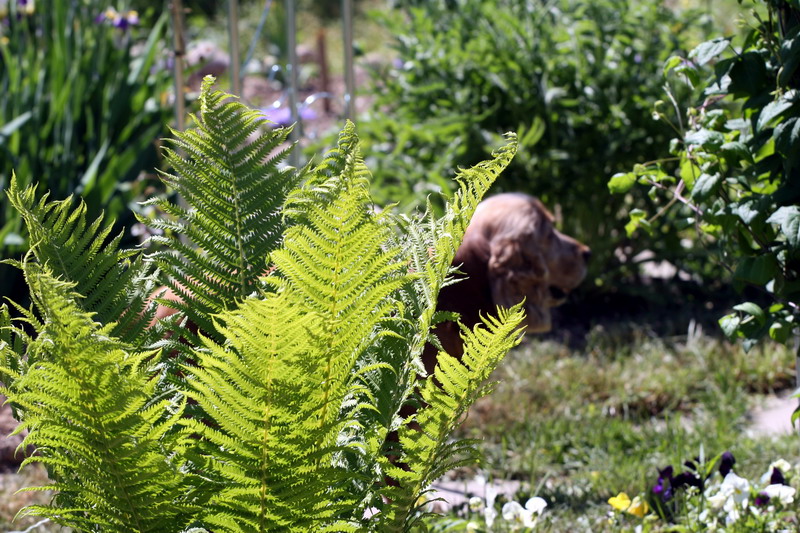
(79, 110)
(298, 382)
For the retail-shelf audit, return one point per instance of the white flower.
(490, 513)
(536, 505)
(472, 527)
(512, 512)
(782, 465)
(781, 493)
(526, 516)
(475, 504)
(732, 497)
(738, 488)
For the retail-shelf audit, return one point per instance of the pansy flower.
(761, 500)
(781, 493)
(622, 502)
(726, 463)
(119, 20)
(526, 516)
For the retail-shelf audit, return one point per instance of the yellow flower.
(620, 502)
(638, 507)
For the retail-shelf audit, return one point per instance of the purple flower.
(762, 499)
(119, 20)
(662, 490)
(688, 479)
(777, 477)
(282, 116)
(726, 463)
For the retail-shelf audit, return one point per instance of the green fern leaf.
(454, 388)
(115, 283)
(88, 404)
(284, 402)
(262, 432)
(341, 259)
(234, 187)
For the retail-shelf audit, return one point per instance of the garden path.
(774, 416)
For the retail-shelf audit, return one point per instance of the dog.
(511, 252)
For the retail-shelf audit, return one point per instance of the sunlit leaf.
(708, 50)
(621, 182)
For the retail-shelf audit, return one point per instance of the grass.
(578, 426)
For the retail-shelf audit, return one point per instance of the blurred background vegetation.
(82, 103)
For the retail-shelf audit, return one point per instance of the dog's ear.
(515, 266)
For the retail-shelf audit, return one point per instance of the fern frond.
(322, 185)
(341, 259)
(448, 394)
(88, 404)
(115, 283)
(234, 186)
(285, 459)
(259, 394)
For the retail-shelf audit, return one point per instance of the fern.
(89, 406)
(454, 387)
(217, 246)
(115, 283)
(300, 375)
(334, 280)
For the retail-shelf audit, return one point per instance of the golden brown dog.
(511, 251)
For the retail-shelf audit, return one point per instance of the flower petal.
(620, 502)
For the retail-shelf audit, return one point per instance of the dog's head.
(528, 258)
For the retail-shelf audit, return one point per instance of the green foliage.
(573, 79)
(739, 172)
(108, 443)
(80, 111)
(113, 282)
(297, 379)
(216, 247)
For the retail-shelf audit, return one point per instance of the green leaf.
(736, 151)
(638, 219)
(689, 172)
(621, 182)
(748, 75)
(8, 130)
(671, 63)
(790, 57)
(771, 111)
(706, 185)
(757, 270)
(747, 210)
(730, 325)
(708, 139)
(708, 50)
(789, 219)
(780, 331)
(753, 310)
(787, 140)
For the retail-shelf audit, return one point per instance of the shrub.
(573, 79)
(297, 376)
(737, 150)
(80, 110)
